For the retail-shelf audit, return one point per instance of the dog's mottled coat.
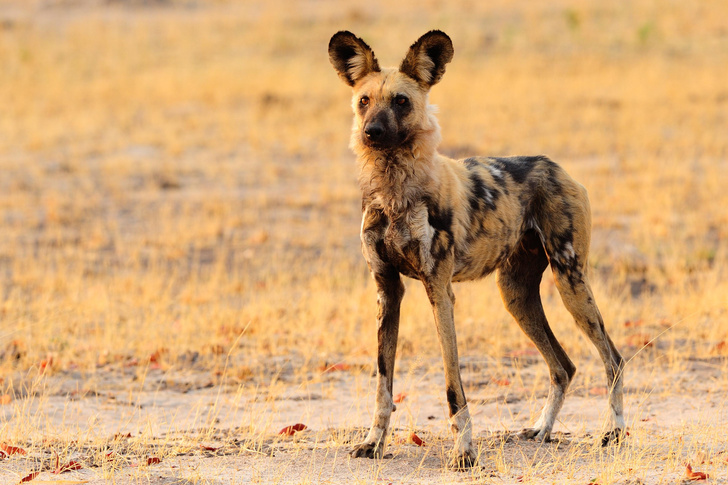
(439, 220)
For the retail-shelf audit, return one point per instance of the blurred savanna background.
(176, 187)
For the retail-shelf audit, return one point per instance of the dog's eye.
(401, 100)
(364, 100)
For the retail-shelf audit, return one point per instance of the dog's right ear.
(351, 57)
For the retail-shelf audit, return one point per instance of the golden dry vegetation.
(175, 184)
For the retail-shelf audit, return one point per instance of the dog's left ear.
(426, 59)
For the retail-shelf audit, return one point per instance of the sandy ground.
(229, 435)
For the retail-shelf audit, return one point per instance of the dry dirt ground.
(204, 433)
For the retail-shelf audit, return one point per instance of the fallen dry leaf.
(691, 475)
(45, 364)
(501, 382)
(293, 429)
(400, 397)
(11, 450)
(6, 399)
(152, 460)
(29, 477)
(209, 448)
(155, 359)
(341, 366)
(634, 323)
(416, 440)
(71, 465)
(719, 348)
(640, 340)
(156, 356)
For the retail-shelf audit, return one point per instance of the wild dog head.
(391, 110)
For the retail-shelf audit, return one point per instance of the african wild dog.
(439, 220)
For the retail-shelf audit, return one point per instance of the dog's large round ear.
(425, 61)
(351, 57)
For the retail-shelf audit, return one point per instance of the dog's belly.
(482, 257)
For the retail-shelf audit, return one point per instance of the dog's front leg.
(443, 300)
(390, 291)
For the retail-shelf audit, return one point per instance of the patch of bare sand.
(219, 435)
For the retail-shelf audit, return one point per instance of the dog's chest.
(403, 243)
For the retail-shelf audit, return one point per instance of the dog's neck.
(396, 179)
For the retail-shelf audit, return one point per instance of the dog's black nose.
(374, 131)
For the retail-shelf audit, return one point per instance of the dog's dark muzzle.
(374, 131)
(379, 135)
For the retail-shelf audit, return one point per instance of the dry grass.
(176, 191)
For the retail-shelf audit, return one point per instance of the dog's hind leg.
(390, 291)
(579, 300)
(568, 249)
(518, 281)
